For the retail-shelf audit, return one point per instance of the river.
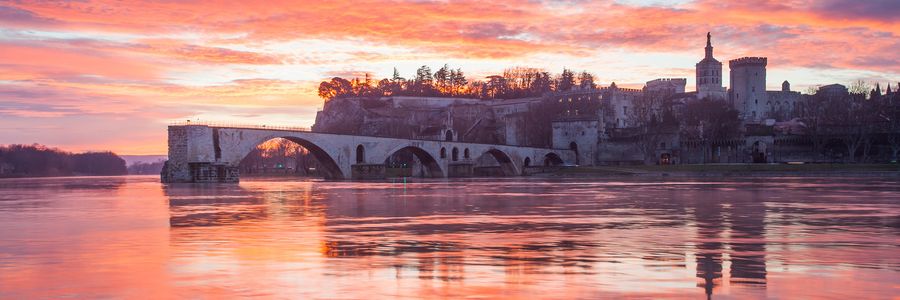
(728, 238)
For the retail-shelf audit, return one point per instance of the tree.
(423, 82)
(586, 80)
(442, 80)
(653, 118)
(859, 87)
(851, 119)
(457, 82)
(495, 87)
(566, 80)
(709, 123)
(887, 118)
(336, 88)
(541, 84)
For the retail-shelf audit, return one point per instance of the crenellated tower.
(748, 88)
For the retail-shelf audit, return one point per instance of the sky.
(111, 75)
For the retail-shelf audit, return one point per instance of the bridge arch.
(329, 166)
(430, 165)
(552, 159)
(507, 165)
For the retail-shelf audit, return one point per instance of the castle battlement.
(661, 80)
(748, 61)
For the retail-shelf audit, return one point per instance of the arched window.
(466, 153)
(455, 154)
(448, 136)
(443, 152)
(360, 154)
(527, 162)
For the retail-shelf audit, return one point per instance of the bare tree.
(709, 122)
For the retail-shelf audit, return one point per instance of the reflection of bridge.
(207, 153)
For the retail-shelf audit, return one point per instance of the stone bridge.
(206, 153)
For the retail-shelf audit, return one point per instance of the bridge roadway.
(207, 153)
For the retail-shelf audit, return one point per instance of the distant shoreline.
(708, 170)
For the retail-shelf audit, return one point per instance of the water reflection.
(512, 238)
(536, 228)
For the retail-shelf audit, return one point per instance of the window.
(624, 109)
(360, 154)
(455, 154)
(443, 152)
(582, 133)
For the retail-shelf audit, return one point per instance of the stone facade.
(581, 135)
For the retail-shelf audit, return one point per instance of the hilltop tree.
(442, 80)
(457, 82)
(337, 87)
(566, 80)
(586, 80)
(424, 81)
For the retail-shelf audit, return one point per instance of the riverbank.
(734, 170)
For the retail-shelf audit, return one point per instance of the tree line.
(39, 161)
(857, 120)
(516, 82)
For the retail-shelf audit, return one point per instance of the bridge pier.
(465, 169)
(368, 171)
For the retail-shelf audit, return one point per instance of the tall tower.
(709, 74)
(748, 88)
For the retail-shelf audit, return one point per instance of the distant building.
(709, 75)
(832, 90)
(666, 85)
(782, 104)
(610, 104)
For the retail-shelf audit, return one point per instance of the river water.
(735, 237)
